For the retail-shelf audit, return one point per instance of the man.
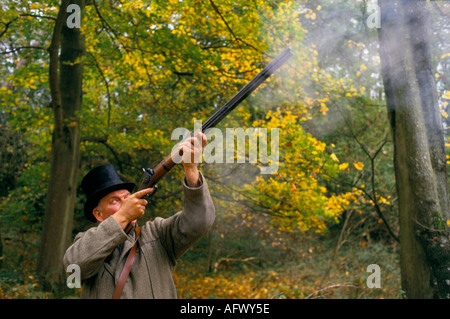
(101, 251)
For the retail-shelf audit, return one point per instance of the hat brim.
(93, 200)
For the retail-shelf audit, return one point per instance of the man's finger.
(189, 141)
(201, 137)
(204, 139)
(186, 148)
(143, 192)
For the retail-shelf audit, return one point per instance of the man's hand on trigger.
(132, 207)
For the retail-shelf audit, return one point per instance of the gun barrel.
(152, 176)
(247, 89)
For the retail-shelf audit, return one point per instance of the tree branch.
(107, 88)
(216, 9)
(373, 198)
(104, 141)
(23, 48)
(6, 27)
(24, 15)
(37, 16)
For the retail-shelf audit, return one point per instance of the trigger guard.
(155, 187)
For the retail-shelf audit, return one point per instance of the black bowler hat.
(98, 183)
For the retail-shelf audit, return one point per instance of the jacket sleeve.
(180, 231)
(91, 248)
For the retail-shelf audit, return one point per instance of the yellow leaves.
(352, 43)
(309, 13)
(359, 166)
(132, 5)
(334, 157)
(296, 194)
(446, 95)
(323, 108)
(293, 187)
(8, 15)
(382, 200)
(320, 146)
(248, 285)
(34, 6)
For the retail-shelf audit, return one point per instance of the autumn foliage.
(150, 67)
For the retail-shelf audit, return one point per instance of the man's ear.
(97, 214)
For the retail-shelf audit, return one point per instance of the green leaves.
(152, 67)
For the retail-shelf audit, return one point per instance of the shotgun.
(153, 175)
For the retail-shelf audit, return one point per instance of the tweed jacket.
(101, 251)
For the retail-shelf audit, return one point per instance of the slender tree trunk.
(66, 92)
(1, 248)
(419, 156)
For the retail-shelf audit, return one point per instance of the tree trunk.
(66, 93)
(1, 248)
(419, 154)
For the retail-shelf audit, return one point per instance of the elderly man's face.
(110, 204)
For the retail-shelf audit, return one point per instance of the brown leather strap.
(127, 268)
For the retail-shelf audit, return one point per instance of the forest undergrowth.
(312, 269)
(306, 266)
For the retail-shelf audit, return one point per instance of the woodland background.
(310, 230)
